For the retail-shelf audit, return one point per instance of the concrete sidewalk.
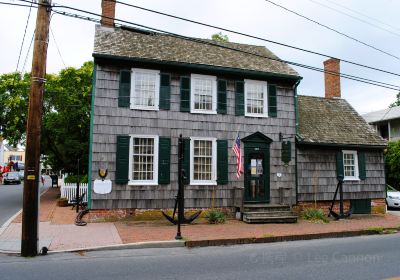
(58, 232)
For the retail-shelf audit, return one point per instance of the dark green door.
(256, 172)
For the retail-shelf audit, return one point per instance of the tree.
(66, 115)
(397, 102)
(392, 162)
(219, 37)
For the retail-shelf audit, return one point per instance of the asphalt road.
(366, 257)
(10, 201)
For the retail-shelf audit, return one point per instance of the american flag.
(236, 150)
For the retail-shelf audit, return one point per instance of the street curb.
(274, 239)
(9, 221)
(137, 245)
(221, 242)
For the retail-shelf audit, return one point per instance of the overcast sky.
(256, 17)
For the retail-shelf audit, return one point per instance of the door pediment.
(257, 137)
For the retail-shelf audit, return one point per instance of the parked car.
(21, 174)
(11, 178)
(392, 197)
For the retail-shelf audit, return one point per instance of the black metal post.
(341, 198)
(180, 187)
(77, 190)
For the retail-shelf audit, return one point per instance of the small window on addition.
(350, 165)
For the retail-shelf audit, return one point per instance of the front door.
(256, 177)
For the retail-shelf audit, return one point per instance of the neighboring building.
(386, 122)
(151, 87)
(14, 155)
(334, 140)
(1, 151)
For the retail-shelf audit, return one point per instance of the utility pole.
(30, 212)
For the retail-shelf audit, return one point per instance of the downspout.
(296, 112)
(91, 138)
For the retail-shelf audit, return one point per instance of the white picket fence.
(68, 190)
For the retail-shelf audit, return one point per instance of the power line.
(23, 38)
(58, 50)
(334, 30)
(208, 42)
(347, 76)
(27, 53)
(364, 15)
(256, 37)
(247, 35)
(353, 17)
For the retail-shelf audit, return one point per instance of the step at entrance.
(268, 213)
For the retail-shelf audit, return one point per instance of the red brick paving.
(131, 232)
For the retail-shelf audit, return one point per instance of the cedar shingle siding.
(110, 121)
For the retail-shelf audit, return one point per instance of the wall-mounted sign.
(286, 152)
(102, 186)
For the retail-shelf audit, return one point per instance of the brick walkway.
(136, 232)
(58, 232)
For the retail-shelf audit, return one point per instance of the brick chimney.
(107, 12)
(332, 82)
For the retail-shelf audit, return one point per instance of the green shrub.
(215, 217)
(74, 179)
(314, 215)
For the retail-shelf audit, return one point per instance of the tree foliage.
(219, 37)
(65, 120)
(397, 102)
(392, 161)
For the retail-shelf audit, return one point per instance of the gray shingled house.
(334, 140)
(149, 88)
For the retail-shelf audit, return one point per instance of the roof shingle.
(333, 121)
(161, 47)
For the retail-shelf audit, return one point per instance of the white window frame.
(265, 101)
(155, 161)
(213, 79)
(213, 180)
(356, 171)
(134, 71)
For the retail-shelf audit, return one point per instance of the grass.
(314, 215)
(381, 230)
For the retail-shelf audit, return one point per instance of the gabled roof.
(121, 43)
(383, 115)
(332, 121)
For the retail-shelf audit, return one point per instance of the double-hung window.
(203, 94)
(256, 95)
(143, 167)
(203, 160)
(350, 165)
(145, 89)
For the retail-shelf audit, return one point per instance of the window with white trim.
(350, 165)
(145, 89)
(255, 98)
(203, 94)
(203, 160)
(143, 160)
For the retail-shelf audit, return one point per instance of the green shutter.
(122, 160)
(286, 152)
(185, 94)
(186, 159)
(165, 91)
(272, 104)
(339, 165)
(221, 94)
(239, 98)
(164, 160)
(124, 88)
(362, 173)
(222, 162)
